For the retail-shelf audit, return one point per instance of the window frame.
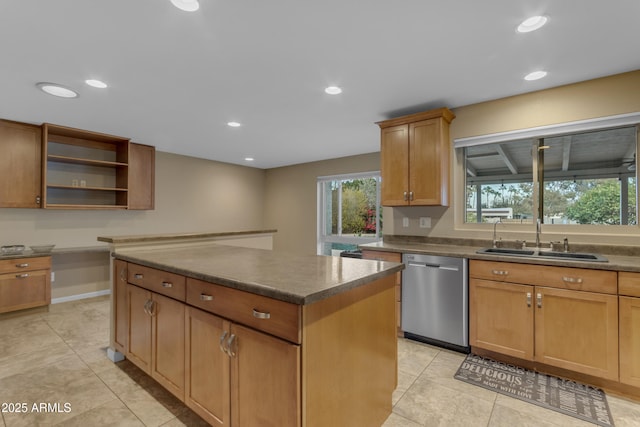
(321, 237)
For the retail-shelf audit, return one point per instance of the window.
(587, 176)
(349, 212)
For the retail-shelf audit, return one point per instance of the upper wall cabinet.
(414, 159)
(20, 160)
(142, 169)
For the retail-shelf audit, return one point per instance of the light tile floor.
(59, 357)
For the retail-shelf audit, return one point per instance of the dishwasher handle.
(427, 265)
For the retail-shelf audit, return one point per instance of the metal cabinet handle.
(146, 307)
(230, 345)
(261, 314)
(411, 195)
(22, 276)
(405, 196)
(205, 297)
(138, 276)
(567, 279)
(123, 274)
(500, 272)
(539, 299)
(23, 265)
(222, 338)
(167, 285)
(528, 299)
(152, 308)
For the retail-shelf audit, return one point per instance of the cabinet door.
(139, 327)
(167, 353)
(394, 158)
(20, 165)
(20, 290)
(120, 305)
(265, 385)
(577, 331)
(428, 163)
(630, 341)
(207, 367)
(501, 317)
(142, 170)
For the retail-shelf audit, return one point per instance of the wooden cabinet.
(83, 169)
(414, 159)
(25, 283)
(393, 257)
(156, 337)
(142, 169)
(560, 324)
(629, 301)
(120, 306)
(20, 165)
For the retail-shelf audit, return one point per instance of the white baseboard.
(80, 296)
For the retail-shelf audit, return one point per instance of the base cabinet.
(630, 341)
(25, 283)
(393, 257)
(566, 328)
(156, 337)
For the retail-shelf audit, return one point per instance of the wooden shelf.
(70, 187)
(87, 207)
(79, 161)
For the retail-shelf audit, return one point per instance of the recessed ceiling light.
(249, 159)
(532, 24)
(96, 83)
(233, 124)
(333, 90)
(535, 75)
(186, 5)
(57, 90)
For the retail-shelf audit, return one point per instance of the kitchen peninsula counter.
(243, 335)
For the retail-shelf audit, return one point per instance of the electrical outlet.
(405, 222)
(425, 222)
(53, 276)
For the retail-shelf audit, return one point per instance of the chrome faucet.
(495, 241)
(538, 231)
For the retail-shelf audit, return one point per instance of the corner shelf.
(84, 169)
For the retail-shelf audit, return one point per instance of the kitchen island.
(254, 337)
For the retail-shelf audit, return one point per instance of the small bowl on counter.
(42, 249)
(12, 250)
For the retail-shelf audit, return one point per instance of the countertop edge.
(616, 262)
(258, 289)
(178, 236)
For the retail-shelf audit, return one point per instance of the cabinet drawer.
(275, 317)
(382, 256)
(580, 279)
(24, 290)
(24, 264)
(629, 284)
(161, 282)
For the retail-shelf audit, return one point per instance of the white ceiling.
(176, 78)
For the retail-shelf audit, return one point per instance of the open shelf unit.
(84, 169)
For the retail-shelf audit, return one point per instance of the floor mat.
(568, 397)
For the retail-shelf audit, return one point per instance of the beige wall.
(291, 199)
(596, 98)
(191, 195)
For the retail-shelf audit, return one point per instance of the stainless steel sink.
(537, 253)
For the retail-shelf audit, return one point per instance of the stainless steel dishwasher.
(435, 300)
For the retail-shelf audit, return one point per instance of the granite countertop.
(615, 262)
(139, 238)
(289, 277)
(25, 254)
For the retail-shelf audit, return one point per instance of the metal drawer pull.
(405, 196)
(261, 314)
(500, 272)
(22, 276)
(528, 299)
(411, 195)
(138, 276)
(222, 338)
(572, 279)
(230, 342)
(23, 265)
(205, 297)
(539, 298)
(167, 285)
